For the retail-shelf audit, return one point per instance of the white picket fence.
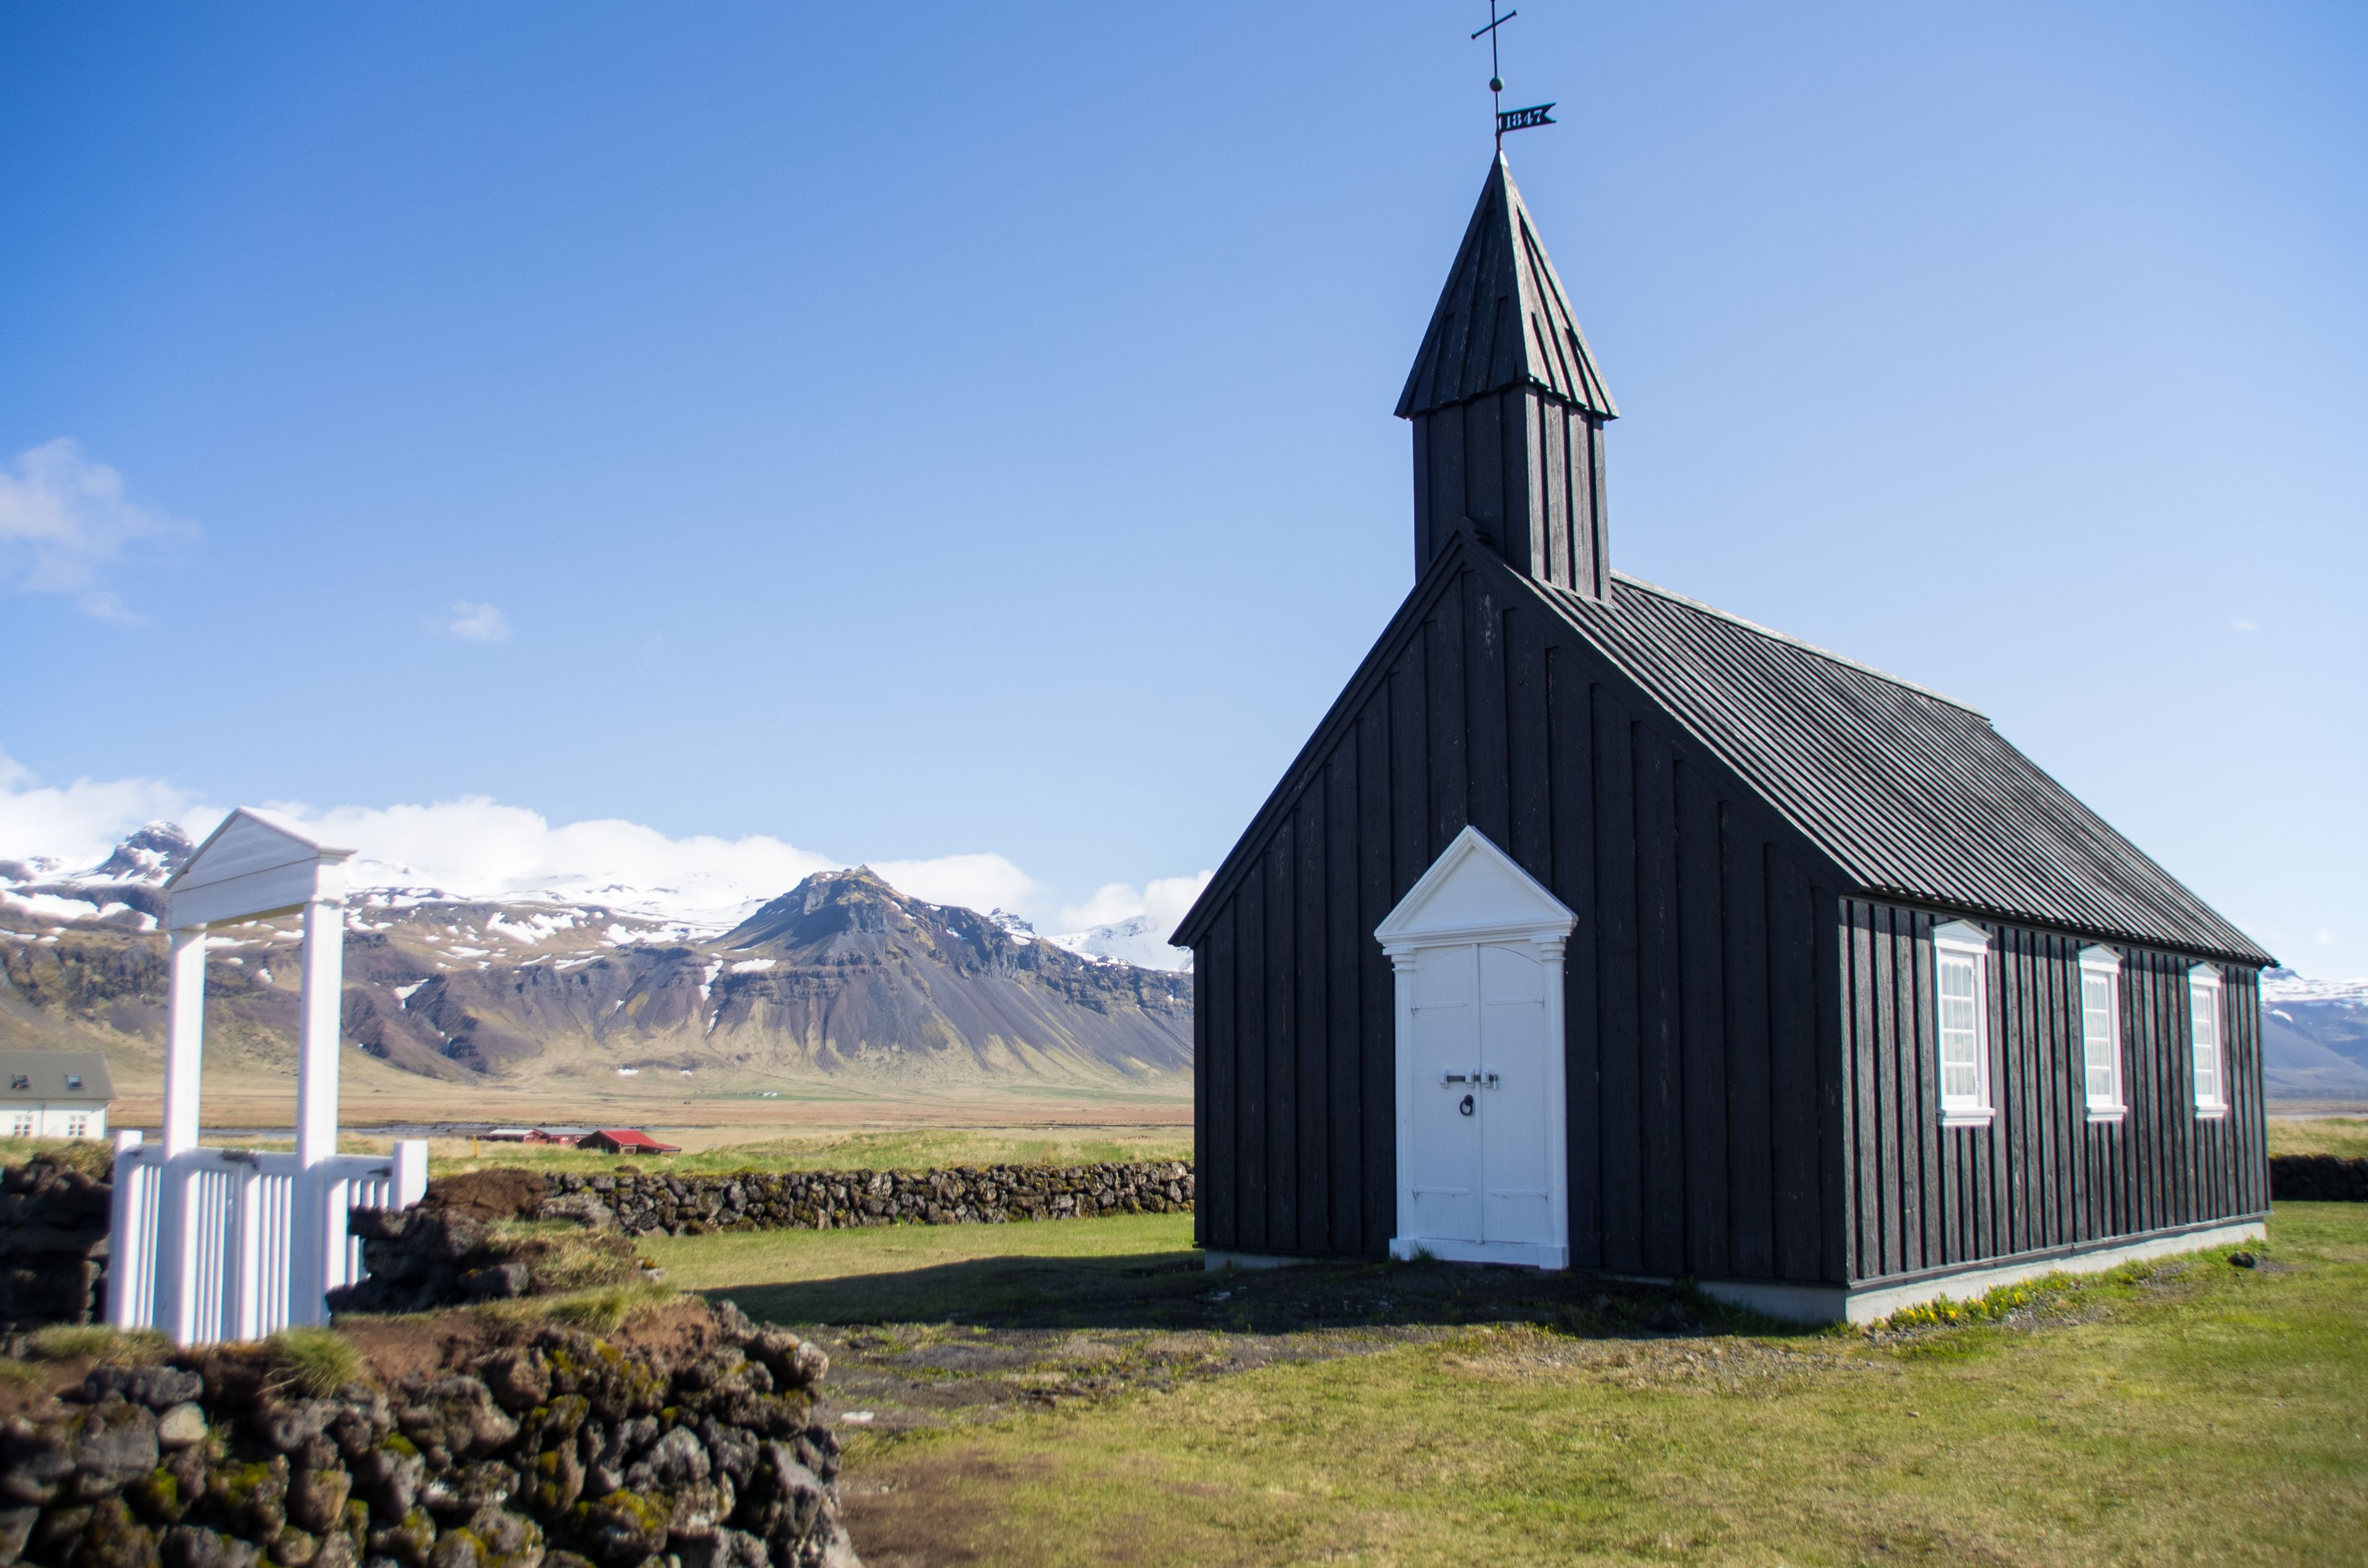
(227, 1243)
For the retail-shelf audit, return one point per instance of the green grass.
(915, 1150)
(314, 1361)
(66, 1342)
(601, 1311)
(2182, 1412)
(2345, 1136)
(89, 1155)
(916, 1272)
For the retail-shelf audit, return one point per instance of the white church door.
(1477, 945)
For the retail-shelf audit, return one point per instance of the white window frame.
(1962, 942)
(78, 1124)
(23, 1124)
(2204, 990)
(2101, 965)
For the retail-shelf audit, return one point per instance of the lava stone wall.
(651, 1205)
(2318, 1178)
(54, 1224)
(559, 1450)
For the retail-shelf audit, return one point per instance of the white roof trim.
(1507, 903)
(1961, 933)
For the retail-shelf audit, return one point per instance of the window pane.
(2203, 1004)
(1960, 1032)
(2097, 1035)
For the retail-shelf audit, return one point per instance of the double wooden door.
(1477, 1144)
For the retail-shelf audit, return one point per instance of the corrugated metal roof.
(54, 1075)
(1503, 320)
(1913, 795)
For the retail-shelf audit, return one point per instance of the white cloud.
(63, 518)
(2243, 626)
(480, 848)
(476, 846)
(79, 822)
(1164, 899)
(972, 881)
(474, 622)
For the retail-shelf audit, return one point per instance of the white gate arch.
(226, 1244)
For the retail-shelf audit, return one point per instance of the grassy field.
(2188, 1411)
(916, 1146)
(2346, 1137)
(916, 1272)
(911, 1148)
(887, 1149)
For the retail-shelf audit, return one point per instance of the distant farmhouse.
(54, 1094)
(624, 1141)
(1596, 927)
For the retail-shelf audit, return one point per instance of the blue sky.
(924, 431)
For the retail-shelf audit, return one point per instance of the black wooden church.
(1597, 928)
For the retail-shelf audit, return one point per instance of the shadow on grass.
(1172, 1291)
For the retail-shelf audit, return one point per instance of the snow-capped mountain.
(1139, 940)
(843, 977)
(125, 888)
(2285, 985)
(2315, 1038)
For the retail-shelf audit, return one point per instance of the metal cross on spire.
(1507, 119)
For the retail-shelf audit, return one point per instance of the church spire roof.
(1503, 320)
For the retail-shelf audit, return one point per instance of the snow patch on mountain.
(1139, 939)
(2285, 985)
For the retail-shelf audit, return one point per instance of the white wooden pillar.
(317, 1220)
(184, 1030)
(175, 1241)
(316, 1044)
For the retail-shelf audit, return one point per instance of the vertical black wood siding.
(1528, 469)
(2040, 1175)
(1706, 1130)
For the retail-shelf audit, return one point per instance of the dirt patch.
(47, 1379)
(496, 1194)
(674, 1333)
(927, 1517)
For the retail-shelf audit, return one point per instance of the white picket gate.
(228, 1244)
(210, 1244)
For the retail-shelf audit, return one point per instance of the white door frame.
(1473, 893)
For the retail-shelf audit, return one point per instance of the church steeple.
(1509, 408)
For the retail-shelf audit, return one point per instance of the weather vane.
(1507, 119)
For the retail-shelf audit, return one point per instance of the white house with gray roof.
(54, 1094)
